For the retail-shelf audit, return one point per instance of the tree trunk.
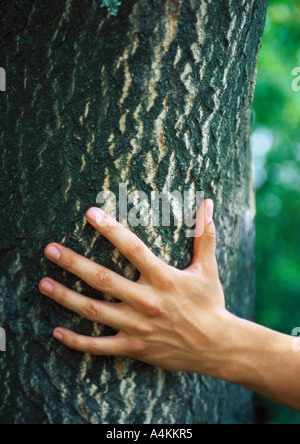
(158, 97)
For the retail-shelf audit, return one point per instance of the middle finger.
(114, 315)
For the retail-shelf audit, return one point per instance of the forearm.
(261, 360)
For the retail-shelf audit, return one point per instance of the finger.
(106, 346)
(205, 245)
(126, 242)
(103, 312)
(95, 275)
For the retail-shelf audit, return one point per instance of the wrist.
(252, 355)
(236, 348)
(234, 345)
(222, 357)
(241, 350)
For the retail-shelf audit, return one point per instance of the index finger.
(126, 242)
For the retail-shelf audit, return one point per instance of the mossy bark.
(158, 97)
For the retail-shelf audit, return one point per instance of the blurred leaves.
(276, 148)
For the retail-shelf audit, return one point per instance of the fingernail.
(58, 335)
(53, 253)
(47, 287)
(94, 214)
(209, 211)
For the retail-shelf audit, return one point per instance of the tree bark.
(158, 97)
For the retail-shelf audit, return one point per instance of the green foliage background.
(276, 146)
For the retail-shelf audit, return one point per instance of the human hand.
(169, 318)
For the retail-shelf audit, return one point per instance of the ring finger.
(95, 275)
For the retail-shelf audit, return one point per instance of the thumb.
(205, 245)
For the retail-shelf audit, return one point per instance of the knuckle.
(153, 308)
(144, 329)
(210, 239)
(166, 281)
(61, 295)
(91, 311)
(167, 284)
(137, 347)
(73, 342)
(134, 248)
(69, 261)
(94, 349)
(102, 280)
(108, 224)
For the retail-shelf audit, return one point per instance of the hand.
(172, 319)
(169, 318)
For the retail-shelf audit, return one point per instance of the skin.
(173, 319)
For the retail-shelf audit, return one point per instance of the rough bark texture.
(158, 97)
